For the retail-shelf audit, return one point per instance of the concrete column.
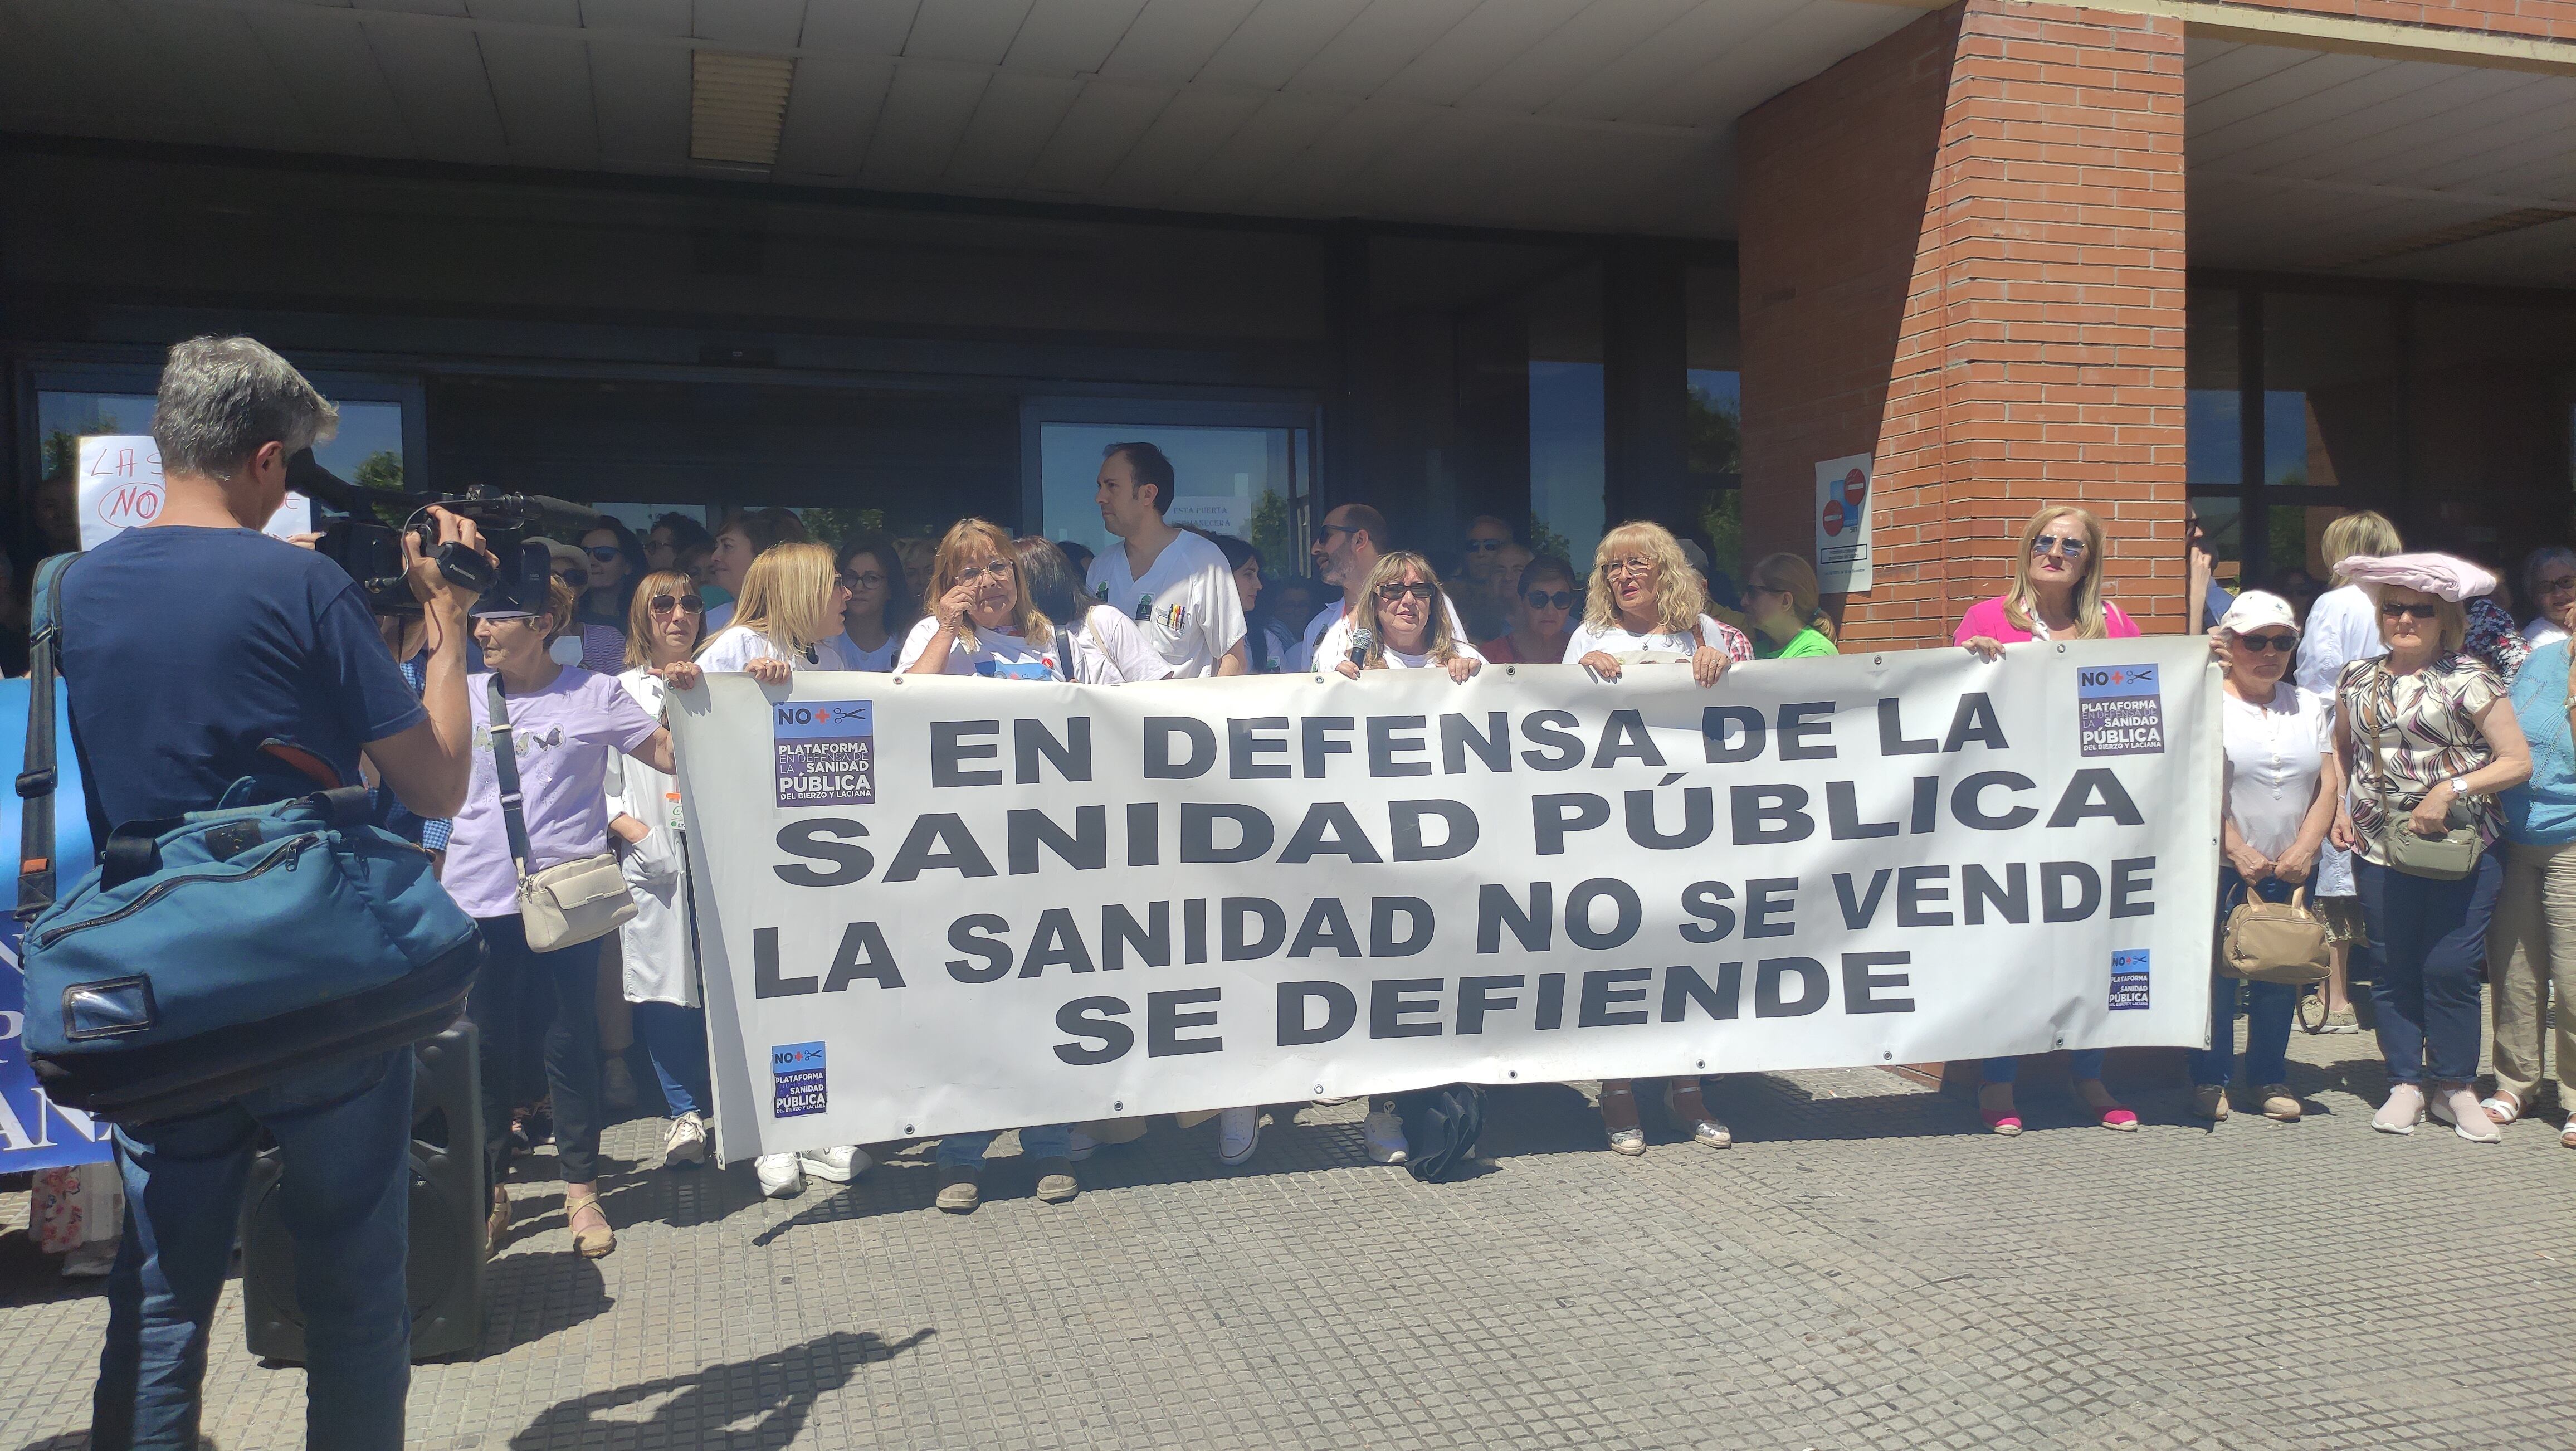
(1962, 252)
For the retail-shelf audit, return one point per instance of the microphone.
(1363, 640)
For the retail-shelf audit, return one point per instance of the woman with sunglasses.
(2427, 737)
(658, 969)
(2276, 806)
(564, 726)
(1542, 603)
(2549, 585)
(2056, 589)
(1401, 612)
(2056, 594)
(616, 561)
(880, 607)
(1789, 621)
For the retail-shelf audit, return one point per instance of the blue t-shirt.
(2542, 811)
(185, 648)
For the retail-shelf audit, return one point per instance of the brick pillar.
(1962, 252)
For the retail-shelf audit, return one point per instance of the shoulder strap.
(505, 772)
(37, 876)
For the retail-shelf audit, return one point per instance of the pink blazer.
(1987, 617)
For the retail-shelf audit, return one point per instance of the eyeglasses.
(2053, 544)
(1539, 599)
(1419, 589)
(869, 580)
(998, 570)
(607, 553)
(2557, 584)
(2283, 643)
(1618, 567)
(577, 578)
(685, 604)
(2409, 612)
(1485, 546)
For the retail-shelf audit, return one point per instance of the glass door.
(1240, 469)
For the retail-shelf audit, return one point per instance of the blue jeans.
(2268, 1006)
(966, 1151)
(2432, 971)
(346, 1197)
(2081, 1064)
(676, 1038)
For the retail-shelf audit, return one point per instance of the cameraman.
(187, 644)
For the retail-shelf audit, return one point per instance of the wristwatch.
(2459, 787)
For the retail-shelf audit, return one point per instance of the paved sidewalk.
(1867, 1268)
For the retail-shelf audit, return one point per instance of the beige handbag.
(2276, 942)
(574, 902)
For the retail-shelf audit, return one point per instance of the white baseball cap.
(2259, 610)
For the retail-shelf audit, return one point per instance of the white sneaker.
(1238, 1133)
(1081, 1146)
(840, 1165)
(1384, 1134)
(2459, 1107)
(782, 1176)
(2402, 1112)
(684, 1142)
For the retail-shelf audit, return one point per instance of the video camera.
(355, 536)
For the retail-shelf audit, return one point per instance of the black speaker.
(446, 1261)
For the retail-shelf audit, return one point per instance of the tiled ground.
(1867, 1268)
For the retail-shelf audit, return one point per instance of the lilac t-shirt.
(561, 738)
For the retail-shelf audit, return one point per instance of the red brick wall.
(1962, 251)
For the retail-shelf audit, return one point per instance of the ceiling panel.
(1070, 37)
(2316, 75)
(1680, 53)
(859, 27)
(565, 13)
(1250, 160)
(1010, 127)
(976, 31)
(413, 7)
(770, 24)
(925, 117)
(2367, 130)
(332, 72)
(542, 86)
(1276, 40)
(647, 17)
(438, 81)
(1497, 33)
(1184, 135)
(1095, 135)
(1597, 35)
(1378, 44)
(642, 93)
(1172, 39)
(90, 68)
(256, 107)
(831, 114)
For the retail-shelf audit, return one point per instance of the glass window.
(367, 450)
(2213, 431)
(1568, 416)
(1248, 482)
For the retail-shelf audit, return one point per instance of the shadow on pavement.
(531, 1295)
(743, 1405)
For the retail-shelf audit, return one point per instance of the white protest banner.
(930, 905)
(1842, 525)
(120, 489)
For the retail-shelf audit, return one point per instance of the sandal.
(590, 1244)
(2504, 1106)
(2567, 1135)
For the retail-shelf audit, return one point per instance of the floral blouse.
(2409, 731)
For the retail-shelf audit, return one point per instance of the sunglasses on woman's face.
(2394, 611)
(685, 604)
(606, 553)
(1420, 590)
(1539, 599)
(2283, 643)
(2053, 544)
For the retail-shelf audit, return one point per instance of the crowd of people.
(2402, 705)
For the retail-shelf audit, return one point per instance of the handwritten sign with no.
(120, 489)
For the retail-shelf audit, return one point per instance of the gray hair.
(2536, 561)
(224, 398)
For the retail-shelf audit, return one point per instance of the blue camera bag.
(207, 956)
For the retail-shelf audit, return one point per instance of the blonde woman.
(791, 602)
(1402, 610)
(2056, 589)
(1789, 622)
(2343, 626)
(977, 619)
(1645, 599)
